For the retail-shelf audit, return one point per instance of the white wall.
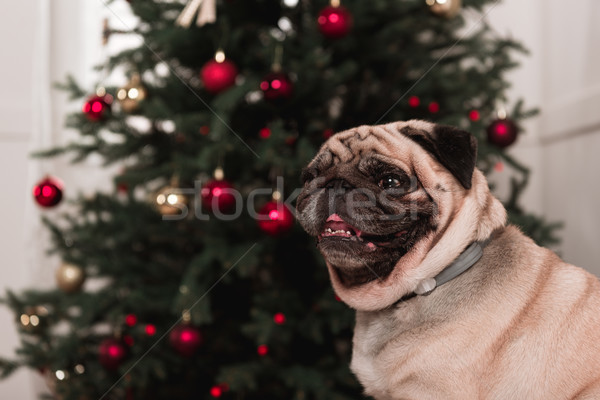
(41, 41)
(560, 76)
(15, 131)
(522, 21)
(570, 130)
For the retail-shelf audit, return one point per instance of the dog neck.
(462, 263)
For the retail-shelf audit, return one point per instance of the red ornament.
(502, 132)
(434, 107)
(262, 350)
(121, 183)
(111, 353)
(264, 133)
(327, 133)
(277, 86)
(334, 22)
(414, 101)
(180, 138)
(275, 218)
(204, 130)
(128, 340)
(122, 187)
(150, 330)
(291, 140)
(130, 319)
(279, 318)
(474, 115)
(48, 192)
(185, 339)
(217, 195)
(218, 76)
(97, 107)
(216, 391)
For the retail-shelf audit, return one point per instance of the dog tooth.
(348, 232)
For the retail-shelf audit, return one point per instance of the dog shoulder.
(548, 295)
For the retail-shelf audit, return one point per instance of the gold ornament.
(130, 95)
(70, 278)
(170, 201)
(444, 8)
(60, 385)
(34, 319)
(219, 174)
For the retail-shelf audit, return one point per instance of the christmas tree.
(191, 279)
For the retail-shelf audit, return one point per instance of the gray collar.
(463, 262)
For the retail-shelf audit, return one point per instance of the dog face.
(379, 199)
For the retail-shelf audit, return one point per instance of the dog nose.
(339, 185)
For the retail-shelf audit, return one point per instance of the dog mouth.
(336, 228)
(358, 257)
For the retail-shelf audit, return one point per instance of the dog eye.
(397, 182)
(389, 182)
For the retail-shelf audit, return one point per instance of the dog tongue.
(335, 222)
(334, 218)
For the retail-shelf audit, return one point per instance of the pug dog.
(452, 303)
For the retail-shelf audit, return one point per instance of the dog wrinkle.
(589, 392)
(323, 160)
(310, 215)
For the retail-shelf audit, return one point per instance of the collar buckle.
(463, 262)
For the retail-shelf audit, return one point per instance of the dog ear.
(454, 148)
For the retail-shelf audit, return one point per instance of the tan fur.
(520, 324)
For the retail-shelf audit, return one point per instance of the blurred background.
(43, 41)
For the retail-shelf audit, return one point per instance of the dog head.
(391, 205)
